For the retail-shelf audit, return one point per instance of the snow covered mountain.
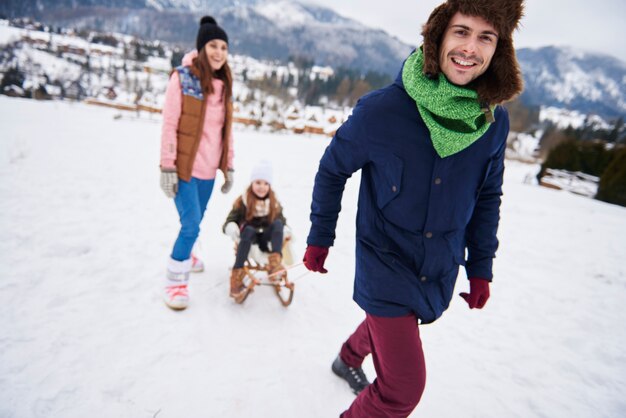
(279, 29)
(570, 78)
(17, 8)
(272, 29)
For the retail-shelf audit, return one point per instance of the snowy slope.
(86, 233)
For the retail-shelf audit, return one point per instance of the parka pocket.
(456, 245)
(387, 174)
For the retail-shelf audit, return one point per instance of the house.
(73, 90)
(40, 93)
(14, 91)
(109, 93)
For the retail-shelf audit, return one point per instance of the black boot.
(354, 376)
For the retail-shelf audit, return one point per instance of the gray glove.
(169, 182)
(228, 180)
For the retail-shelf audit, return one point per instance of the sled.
(256, 271)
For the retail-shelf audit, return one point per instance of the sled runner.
(256, 269)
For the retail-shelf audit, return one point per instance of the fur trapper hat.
(503, 79)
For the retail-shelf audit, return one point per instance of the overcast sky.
(598, 25)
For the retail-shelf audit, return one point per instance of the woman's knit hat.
(262, 171)
(503, 79)
(208, 31)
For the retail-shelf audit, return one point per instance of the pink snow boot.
(197, 266)
(176, 293)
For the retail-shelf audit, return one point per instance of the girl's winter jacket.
(259, 221)
(417, 213)
(191, 138)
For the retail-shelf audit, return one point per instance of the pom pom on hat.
(208, 19)
(208, 31)
(262, 171)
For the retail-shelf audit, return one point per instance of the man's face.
(467, 47)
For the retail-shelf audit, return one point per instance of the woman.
(196, 141)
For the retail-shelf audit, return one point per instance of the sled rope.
(284, 270)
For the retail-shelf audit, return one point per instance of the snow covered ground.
(86, 232)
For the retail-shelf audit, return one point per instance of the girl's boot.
(274, 262)
(237, 288)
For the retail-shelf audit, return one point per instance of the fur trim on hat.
(503, 79)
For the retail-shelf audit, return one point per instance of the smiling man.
(431, 151)
(467, 47)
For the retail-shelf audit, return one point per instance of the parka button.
(394, 189)
(437, 180)
(423, 278)
(429, 235)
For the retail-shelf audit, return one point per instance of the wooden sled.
(257, 274)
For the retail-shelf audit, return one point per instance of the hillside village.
(129, 74)
(44, 62)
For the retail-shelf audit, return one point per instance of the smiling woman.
(196, 141)
(216, 52)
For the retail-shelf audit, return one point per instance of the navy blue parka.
(417, 212)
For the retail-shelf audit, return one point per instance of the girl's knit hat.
(208, 31)
(262, 171)
(503, 79)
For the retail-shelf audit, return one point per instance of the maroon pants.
(398, 358)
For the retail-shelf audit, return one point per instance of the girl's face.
(216, 52)
(260, 188)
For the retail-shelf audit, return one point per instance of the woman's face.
(260, 188)
(216, 52)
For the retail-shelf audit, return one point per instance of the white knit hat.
(262, 171)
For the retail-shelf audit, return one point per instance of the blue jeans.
(191, 201)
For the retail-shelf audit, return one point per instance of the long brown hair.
(201, 67)
(251, 200)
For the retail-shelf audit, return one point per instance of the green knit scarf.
(451, 113)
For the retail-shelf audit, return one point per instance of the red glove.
(314, 258)
(479, 293)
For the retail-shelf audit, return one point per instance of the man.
(431, 150)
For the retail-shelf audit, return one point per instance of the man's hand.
(169, 182)
(314, 258)
(479, 293)
(228, 181)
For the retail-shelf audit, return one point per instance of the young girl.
(256, 218)
(196, 141)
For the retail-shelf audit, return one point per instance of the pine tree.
(614, 135)
(12, 77)
(612, 186)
